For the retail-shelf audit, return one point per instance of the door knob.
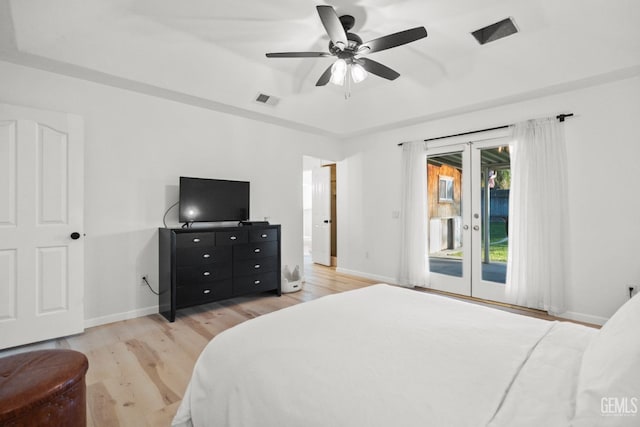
(475, 227)
(465, 227)
(75, 235)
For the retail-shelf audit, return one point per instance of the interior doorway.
(319, 186)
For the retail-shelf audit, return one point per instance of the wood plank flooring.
(139, 368)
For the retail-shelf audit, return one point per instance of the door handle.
(327, 221)
(75, 235)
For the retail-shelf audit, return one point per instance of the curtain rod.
(560, 118)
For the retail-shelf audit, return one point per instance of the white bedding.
(544, 391)
(383, 356)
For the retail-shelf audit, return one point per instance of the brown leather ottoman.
(43, 388)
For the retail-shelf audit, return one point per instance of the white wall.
(136, 147)
(603, 143)
(308, 164)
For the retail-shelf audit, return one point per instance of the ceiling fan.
(349, 48)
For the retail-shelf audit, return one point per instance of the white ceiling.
(211, 53)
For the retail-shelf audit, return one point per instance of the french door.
(468, 215)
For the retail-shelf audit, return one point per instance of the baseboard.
(116, 317)
(581, 317)
(569, 315)
(382, 279)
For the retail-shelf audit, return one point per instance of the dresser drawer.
(186, 276)
(255, 250)
(198, 294)
(202, 255)
(254, 266)
(231, 237)
(255, 283)
(263, 235)
(191, 240)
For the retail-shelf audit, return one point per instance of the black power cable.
(144, 278)
(164, 218)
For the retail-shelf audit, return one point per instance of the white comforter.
(385, 356)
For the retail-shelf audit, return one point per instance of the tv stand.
(202, 265)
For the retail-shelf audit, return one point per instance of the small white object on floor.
(291, 281)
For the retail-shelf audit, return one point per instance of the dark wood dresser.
(202, 265)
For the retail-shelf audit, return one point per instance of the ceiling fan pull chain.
(347, 87)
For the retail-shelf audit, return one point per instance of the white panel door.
(321, 216)
(41, 222)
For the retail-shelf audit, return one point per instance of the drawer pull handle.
(196, 240)
(256, 250)
(206, 256)
(206, 273)
(256, 266)
(256, 282)
(206, 291)
(264, 236)
(233, 237)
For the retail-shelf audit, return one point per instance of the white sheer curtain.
(536, 271)
(414, 261)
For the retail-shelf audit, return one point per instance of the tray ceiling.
(211, 53)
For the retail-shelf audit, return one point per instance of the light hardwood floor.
(139, 368)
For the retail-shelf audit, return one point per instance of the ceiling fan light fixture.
(338, 72)
(358, 73)
(346, 48)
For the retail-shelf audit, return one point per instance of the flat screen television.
(213, 200)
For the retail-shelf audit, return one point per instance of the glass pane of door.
(494, 189)
(445, 204)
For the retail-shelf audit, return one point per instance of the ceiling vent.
(496, 31)
(267, 99)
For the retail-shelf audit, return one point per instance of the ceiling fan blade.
(297, 55)
(393, 40)
(325, 77)
(333, 26)
(378, 69)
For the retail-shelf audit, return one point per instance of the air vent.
(496, 31)
(266, 99)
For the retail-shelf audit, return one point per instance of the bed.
(388, 356)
